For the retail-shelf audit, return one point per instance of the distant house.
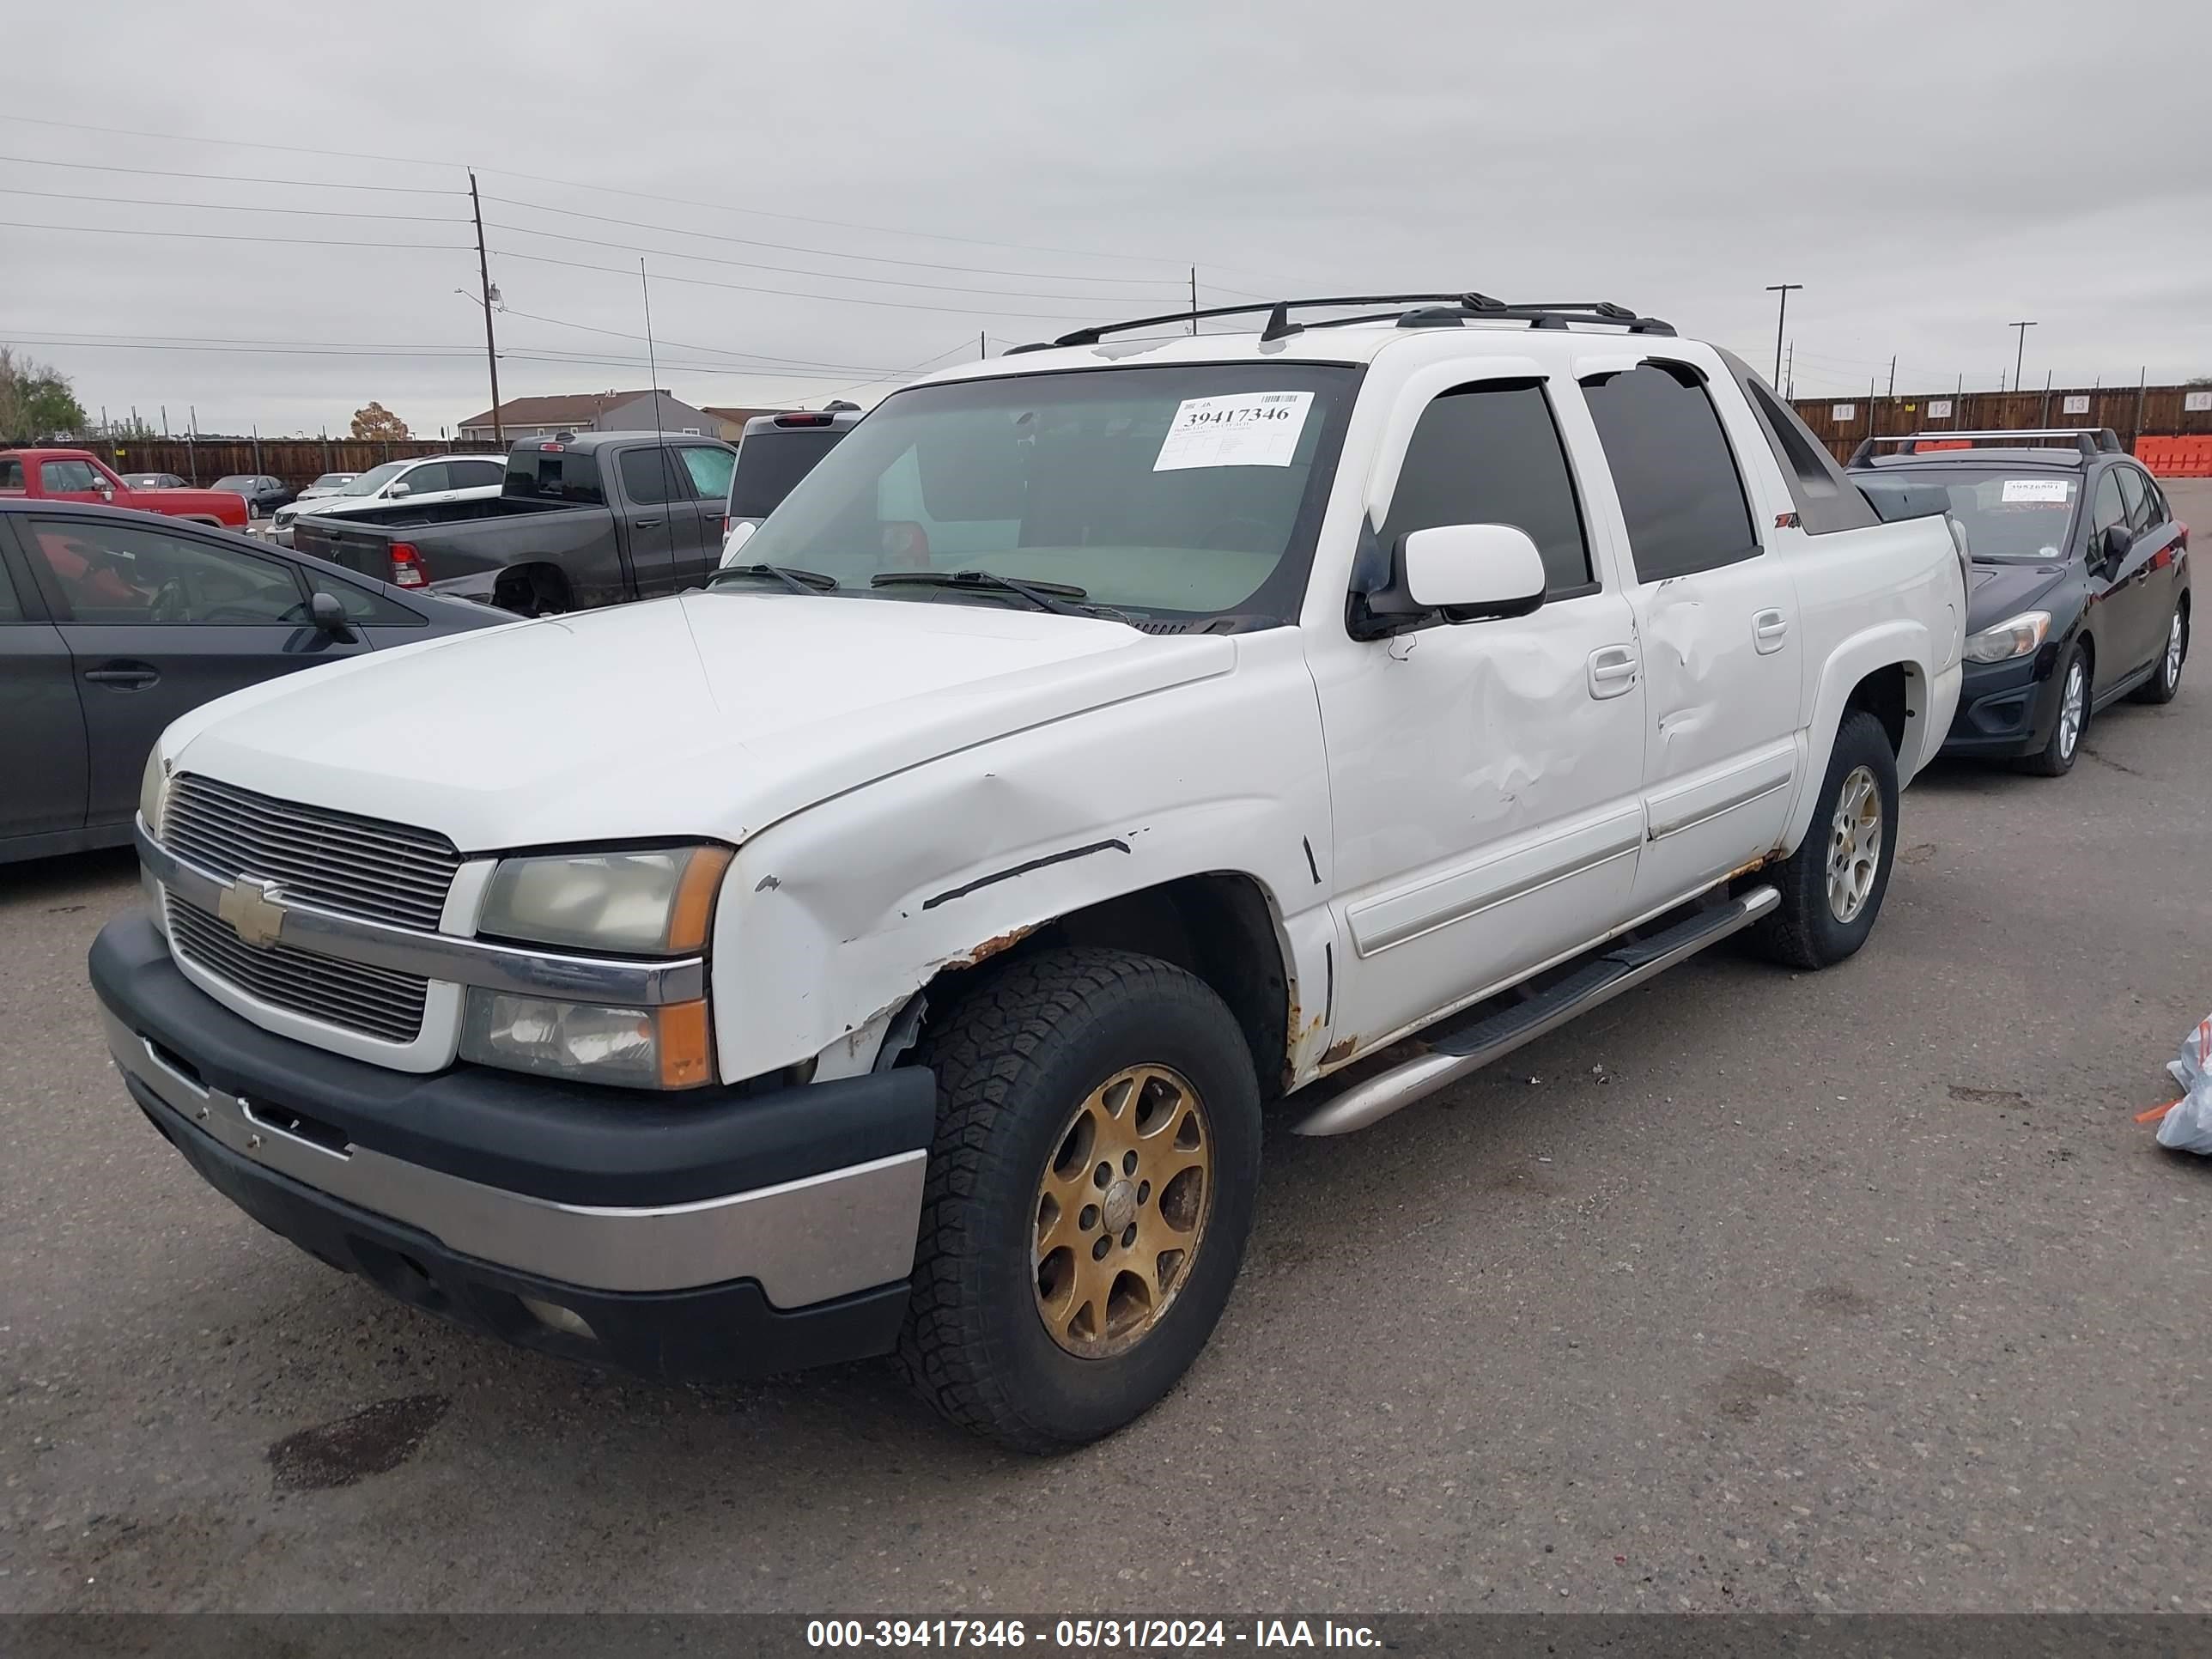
(730, 423)
(591, 411)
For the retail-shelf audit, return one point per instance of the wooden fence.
(297, 461)
(2132, 412)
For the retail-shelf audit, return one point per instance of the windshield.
(2007, 518)
(1178, 493)
(331, 480)
(375, 478)
(239, 483)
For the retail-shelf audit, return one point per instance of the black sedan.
(264, 494)
(113, 623)
(2079, 593)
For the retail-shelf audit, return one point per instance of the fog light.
(555, 1317)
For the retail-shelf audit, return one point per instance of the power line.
(230, 207)
(690, 345)
(794, 294)
(251, 350)
(829, 276)
(234, 144)
(608, 190)
(225, 178)
(826, 253)
(218, 236)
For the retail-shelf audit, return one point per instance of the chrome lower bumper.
(803, 1241)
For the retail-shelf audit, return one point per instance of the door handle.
(1769, 629)
(1612, 669)
(647, 524)
(130, 676)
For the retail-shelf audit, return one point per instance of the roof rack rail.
(2089, 440)
(1408, 309)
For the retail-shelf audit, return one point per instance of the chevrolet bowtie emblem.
(250, 906)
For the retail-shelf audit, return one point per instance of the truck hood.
(710, 713)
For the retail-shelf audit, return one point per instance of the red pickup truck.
(73, 475)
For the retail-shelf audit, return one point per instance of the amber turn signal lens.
(693, 913)
(687, 1058)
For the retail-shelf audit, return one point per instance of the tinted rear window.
(1673, 471)
(770, 463)
(563, 475)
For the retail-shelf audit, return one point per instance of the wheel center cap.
(1119, 1208)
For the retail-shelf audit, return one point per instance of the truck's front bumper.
(693, 1236)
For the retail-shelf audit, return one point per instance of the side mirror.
(324, 611)
(2113, 546)
(740, 533)
(402, 488)
(1470, 572)
(106, 490)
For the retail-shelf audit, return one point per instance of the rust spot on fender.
(998, 942)
(1340, 1051)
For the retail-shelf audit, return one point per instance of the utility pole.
(1781, 311)
(2044, 419)
(982, 346)
(1870, 407)
(2142, 381)
(1789, 373)
(2020, 351)
(491, 346)
(192, 444)
(1194, 299)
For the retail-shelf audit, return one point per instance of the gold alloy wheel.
(1122, 1210)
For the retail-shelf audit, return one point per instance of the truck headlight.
(153, 786)
(2015, 636)
(664, 1048)
(647, 904)
(654, 903)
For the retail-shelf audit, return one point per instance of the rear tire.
(2056, 757)
(1044, 1324)
(2166, 680)
(1832, 886)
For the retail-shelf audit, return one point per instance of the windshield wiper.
(798, 580)
(1045, 596)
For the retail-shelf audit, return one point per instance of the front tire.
(1832, 886)
(2056, 757)
(1089, 1191)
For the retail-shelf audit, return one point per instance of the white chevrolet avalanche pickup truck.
(892, 947)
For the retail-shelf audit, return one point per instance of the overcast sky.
(1930, 172)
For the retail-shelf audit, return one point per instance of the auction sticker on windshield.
(1252, 429)
(2035, 489)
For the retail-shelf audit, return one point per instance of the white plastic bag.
(2188, 1126)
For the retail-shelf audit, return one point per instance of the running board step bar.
(1453, 1054)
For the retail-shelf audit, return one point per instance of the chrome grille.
(375, 1001)
(358, 867)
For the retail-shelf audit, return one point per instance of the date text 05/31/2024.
(1088, 1635)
